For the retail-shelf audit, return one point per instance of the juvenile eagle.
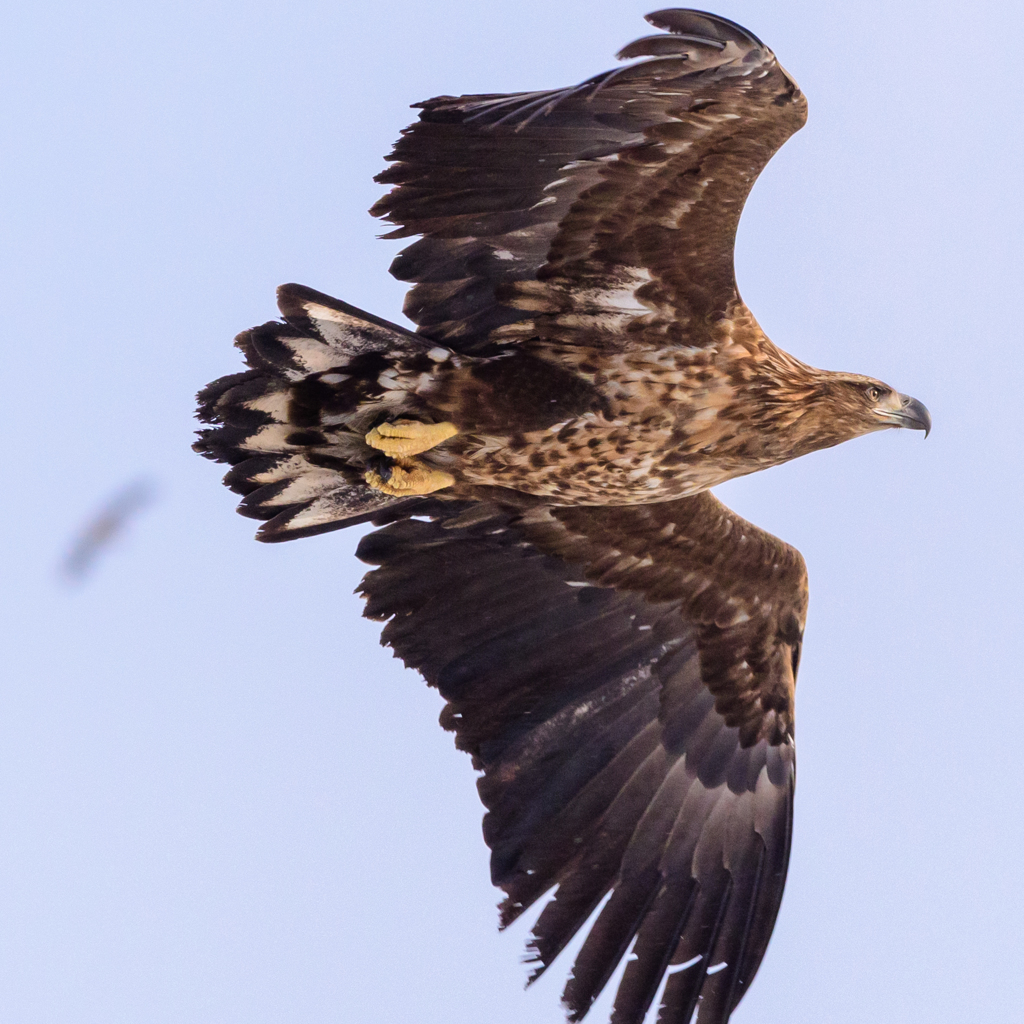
(618, 651)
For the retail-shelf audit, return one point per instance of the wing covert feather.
(623, 678)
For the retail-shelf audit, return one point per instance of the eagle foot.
(409, 437)
(409, 477)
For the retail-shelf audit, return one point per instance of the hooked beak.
(912, 414)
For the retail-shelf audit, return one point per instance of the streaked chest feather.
(667, 431)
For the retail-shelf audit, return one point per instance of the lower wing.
(623, 678)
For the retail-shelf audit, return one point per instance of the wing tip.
(686, 21)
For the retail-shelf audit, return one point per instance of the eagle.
(616, 649)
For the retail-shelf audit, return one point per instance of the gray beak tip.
(914, 415)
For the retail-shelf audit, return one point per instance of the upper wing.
(623, 678)
(577, 210)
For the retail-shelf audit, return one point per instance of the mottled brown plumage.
(610, 260)
(617, 650)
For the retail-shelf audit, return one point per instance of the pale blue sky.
(220, 801)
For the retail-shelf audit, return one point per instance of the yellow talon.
(409, 437)
(408, 478)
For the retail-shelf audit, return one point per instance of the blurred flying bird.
(102, 530)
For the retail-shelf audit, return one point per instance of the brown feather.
(627, 188)
(562, 638)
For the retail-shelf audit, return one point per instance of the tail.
(292, 426)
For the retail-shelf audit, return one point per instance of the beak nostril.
(914, 415)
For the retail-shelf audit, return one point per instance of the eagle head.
(862, 405)
(814, 409)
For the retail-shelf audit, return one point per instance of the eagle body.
(617, 650)
(629, 422)
(629, 427)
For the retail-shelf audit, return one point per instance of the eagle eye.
(875, 393)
